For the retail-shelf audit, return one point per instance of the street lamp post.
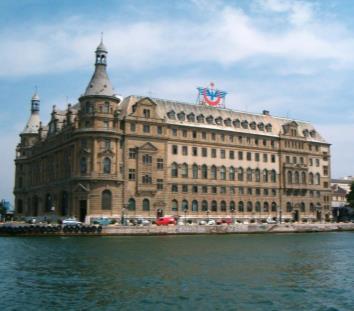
(233, 215)
(207, 212)
(125, 207)
(185, 215)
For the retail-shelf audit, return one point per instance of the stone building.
(142, 157)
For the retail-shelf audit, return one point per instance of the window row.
(237, 123)
(223, 173)
(301, 178)
(223, 206)
(223, 154)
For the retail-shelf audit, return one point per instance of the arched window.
(240, 174)
(266, 207)
(146, 205)
(174, 169)
(194, 206)
(317, 179)
(83, 165)
(106, 165)
(249, 206)
(174, 206)
(195, 171)
(274, 207)
(249, 174)
(232, 173)
(311, 178)
(303, 178)
(290, 177)
(257, 175)
(265, 175)
(240, 206)
(296, 177)
(232, 206)
(106, 200)
(258, 206)
(214, 206)
(184, 205)
(131, 204)
(273, 176)
(204, 171)
(223, 173)
(213, 172)
(289, 207)
(312, 207)
(184, 170)
(205, 206)
(19, 206)
(223, 206)
(302, 207)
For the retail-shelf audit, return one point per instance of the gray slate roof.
(100, 83)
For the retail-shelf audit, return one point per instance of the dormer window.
(253, 125)
(261, 126)
(313, 133)
(244, 124)
(191, 117)
(306, 133)
(236, 123)
(171, 115)
(134, 108)
(146, 113)
(181, 116)
(210, 119)
(200, 118)
(268, 127)
(227, 122)
(218, 121)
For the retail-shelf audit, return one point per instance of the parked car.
(227, 221)
(103, 221)
(143, 222)
(211, 222)
(271, 221)
(71, 222)
(202, 222)
(165, 221)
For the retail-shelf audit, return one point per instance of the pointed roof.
(32, 125)
(100, 83)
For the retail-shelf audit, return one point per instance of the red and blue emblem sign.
(211, 96)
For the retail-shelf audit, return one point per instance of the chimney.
(265, 112)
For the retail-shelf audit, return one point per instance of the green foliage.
(350, 195)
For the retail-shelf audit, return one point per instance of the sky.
(293, 58)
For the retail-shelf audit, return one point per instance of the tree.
(350, 195)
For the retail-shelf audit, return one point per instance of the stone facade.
(143, 157)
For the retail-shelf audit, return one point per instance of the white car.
(71, 222)
(211, 222)
(271, 221)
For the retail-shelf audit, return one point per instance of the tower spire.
(33, 122)
(35, 101)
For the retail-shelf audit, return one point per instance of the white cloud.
(227, 38)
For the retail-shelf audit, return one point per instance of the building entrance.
(83, 210)
(296, 216)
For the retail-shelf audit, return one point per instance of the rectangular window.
(174, 149)
(146, 128)
(240, 155)
(232, 190)
(204, 152)
(213, 136)
(214, 189)
(240, 139)
(266, 191)
(204, 135)
(249, 156)
(325, 170)
(232, 154)
(184, 188)
(213, 153)
(174, 188)
(273, 158)
(159, 183)
(159, 130)
(184, 133)
(194, 134)
(310, 162)
(317, 162)
(205, 189)
(249, 191)
(160, 164)
(222, 153)
(146, 113)
(222, 189)
(258, 191)
(256, 157)
(256, 141)
(195, 189)
(274, 192)
(194, 151)
(132, 153)
(265, 157)
(147, 159)
(231, 138)
(147, 179)
(106, 124)
(132, 127)
(241, 191)
(174, 132)
(184, 150)
(222, 137)
(287, 159)
(131, 174)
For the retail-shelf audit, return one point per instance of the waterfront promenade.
(119, 230)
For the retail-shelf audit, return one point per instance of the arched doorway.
(296, 215)
(159, 213)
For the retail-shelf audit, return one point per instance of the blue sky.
(294, 58)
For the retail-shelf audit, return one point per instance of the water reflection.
(243, 272)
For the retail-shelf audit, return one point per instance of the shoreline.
(202, 230)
